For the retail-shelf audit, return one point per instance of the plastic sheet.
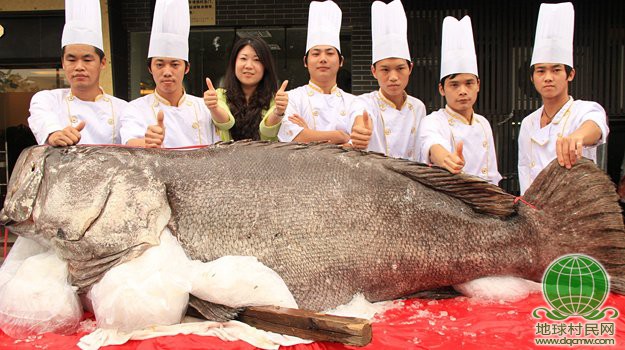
(152, 289)
(458, 323)
(240, 281)
(38, 299)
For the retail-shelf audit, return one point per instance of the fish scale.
(331, 222)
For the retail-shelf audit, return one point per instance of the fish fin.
(212, 311)
(439, 293)
(583, 203)
(480, 195)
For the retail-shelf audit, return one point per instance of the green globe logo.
(575, 285)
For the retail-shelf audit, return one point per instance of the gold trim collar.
(320, 90)
(164, 101)
(103, 95)
(389, 102)
(459, 117)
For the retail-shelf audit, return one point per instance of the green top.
(269, 133)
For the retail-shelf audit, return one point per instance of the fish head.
(23, 191)
(98, 207)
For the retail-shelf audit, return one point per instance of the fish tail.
(586, 216)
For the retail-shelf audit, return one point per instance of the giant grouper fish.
(331, 222)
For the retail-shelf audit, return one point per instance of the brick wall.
(356, 14)
(136, 15)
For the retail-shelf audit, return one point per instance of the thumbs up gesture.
(282, 99)
(361, 131)
(210, 96)
(67, 137)
(155, 134)
(454, 162)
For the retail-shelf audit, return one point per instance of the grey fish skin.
(330, 222)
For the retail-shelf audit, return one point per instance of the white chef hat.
(83, 23)
(458, 48)
(389, 29)
(170, 30)
(554, 34)
(324, 25)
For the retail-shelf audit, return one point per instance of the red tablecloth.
(418, 324)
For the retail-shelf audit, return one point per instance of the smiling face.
(392, 75)
(323, 63)
(168, 74)
(248, 68)
(82, 66)
(551, 80)
(460, 91)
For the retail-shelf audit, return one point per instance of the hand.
(210, 95)
(155, 134)
(454, 162)
(298, 120)
(282, 99)
(569, 150)
(68, 136)
(361, 131)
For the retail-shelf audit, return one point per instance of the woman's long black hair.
(248, 116)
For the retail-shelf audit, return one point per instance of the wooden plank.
(308, 324)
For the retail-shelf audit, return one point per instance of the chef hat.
(324, 25)
(170, 30)
(554, 34)
(83, 23)
(458, 48)
(389, 31)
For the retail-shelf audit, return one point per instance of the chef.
(562, 128)
(455, 137)
(168, 117)
(84, 113)
(318, 111)
(387, 120)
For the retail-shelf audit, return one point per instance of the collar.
(102, 96)
(389, 102)
(319, 89)
(459, 117)
(164, 101)
(561, 113)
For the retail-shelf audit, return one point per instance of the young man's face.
(460, 91)
(392, 75)
(551, 80)
(168, 74)
(82, 66)
(323, 63)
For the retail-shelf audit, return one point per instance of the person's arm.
(155, 134)
(362, 130)
(212, 99)
(524, 157)
(44, 121)
(281, 101)
(592, 130)
(68, 136)
(454, 162)
(307, 135)
(267, 131)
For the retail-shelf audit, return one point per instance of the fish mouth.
(5, 220)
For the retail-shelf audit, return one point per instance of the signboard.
(202, 12)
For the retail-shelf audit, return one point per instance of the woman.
(247, 108)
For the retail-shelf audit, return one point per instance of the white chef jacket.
(322, 112)
(394, 130)
(537, 146)
(446, 128)
(188, 124)
(54, 110)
